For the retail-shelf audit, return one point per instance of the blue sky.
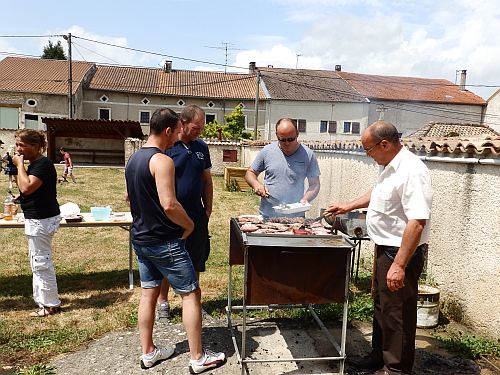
(422, 38)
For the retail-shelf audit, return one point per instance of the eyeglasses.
(367, 150)
(291, 139)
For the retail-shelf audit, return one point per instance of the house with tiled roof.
(410, 102)
(133, 93)
(337, 105)
(324, 106)
(31, 88)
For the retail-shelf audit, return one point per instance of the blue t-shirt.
(190, 161)
(284, 175)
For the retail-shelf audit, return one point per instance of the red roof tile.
(438, 129)
(410, 89)
(175, 83)
(40, 75)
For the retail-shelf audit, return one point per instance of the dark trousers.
(395, 313)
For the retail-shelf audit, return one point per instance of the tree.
(54, 51)
(234, 128)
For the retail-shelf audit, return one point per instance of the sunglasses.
(291, 139)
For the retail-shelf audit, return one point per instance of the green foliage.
(54, 51)
(361, 307)
(211, 130)
(233, 186)
(38, 369)
(470, 346)
(234, 128)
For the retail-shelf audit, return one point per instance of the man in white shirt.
(399, 208)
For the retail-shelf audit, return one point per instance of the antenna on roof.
(297, 61)
(226, 49)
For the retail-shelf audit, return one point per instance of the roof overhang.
(92, 128)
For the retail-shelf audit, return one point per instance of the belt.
(391, 251)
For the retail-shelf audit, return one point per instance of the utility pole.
(70, 77)
(255, 127)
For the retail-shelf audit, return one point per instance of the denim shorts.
(170, 260)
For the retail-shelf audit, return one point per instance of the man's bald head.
(383, 130)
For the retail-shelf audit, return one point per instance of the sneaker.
(159, 354)
(209, 360)
(163, 311)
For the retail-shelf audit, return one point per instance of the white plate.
(292, 208)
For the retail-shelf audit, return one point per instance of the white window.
(31, 121)
(104, 114)
(9, 118)
(104, 98)
(241, 105)
(181, 103)
(145, 101)
(351, 127)
(144, 117)
(301, 125)
(210, 104)
(31, 102)
(209, 117)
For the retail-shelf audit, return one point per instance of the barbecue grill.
(285, 271)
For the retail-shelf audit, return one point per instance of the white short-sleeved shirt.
(403, 192)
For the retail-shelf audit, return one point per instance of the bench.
(96, 156)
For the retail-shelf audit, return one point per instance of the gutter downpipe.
(461, 160)
(430, 158)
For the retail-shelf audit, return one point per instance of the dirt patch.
(118, 352)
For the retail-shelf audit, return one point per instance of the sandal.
(45, 311)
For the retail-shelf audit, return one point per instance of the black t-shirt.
(42, 203)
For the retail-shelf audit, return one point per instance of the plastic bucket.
(427, 306)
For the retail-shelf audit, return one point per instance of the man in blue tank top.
(194, 191)
(158, 232)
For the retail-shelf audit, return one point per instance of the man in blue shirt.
(286, 165)
(194, 191)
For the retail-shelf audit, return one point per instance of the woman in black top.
(37, 185)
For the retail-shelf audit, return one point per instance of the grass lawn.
(92, 272)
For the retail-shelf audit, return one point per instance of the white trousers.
(39, 233)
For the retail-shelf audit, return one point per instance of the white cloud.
(423, 39)
(103, 53)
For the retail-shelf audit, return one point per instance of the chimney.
(167, 67)
(251, 67)
(463, 76)
(338, 68)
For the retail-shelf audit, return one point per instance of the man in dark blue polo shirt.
(194, 191)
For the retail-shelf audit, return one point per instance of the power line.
(301, 73)
(226, 49)
(157, 54)
(32, 36)
(94, 52)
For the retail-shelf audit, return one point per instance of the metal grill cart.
(289, 271)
